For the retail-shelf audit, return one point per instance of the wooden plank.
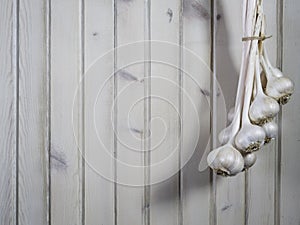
(33, 106)
(99, 39)
(165, 205)
(230, 191)
(65, 81)
(260, 189)
(290, 194)
(129, 114)
(8, 111)
(196, 113)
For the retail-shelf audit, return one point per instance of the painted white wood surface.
(99, 171)
(33, 118)
(196, 84)
(130, 111)
(65, 80)
(111, 124)
(290, 193)
(230, 200)
(165, 110)
(8, 111)
(261, 179)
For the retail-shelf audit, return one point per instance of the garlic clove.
(280, 88)
(263, 108)
(226, 160)
(249, 160)
(250, 138)
(271, 130)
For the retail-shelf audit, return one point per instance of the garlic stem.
(249, 13)
(250, 137)
(263, 108)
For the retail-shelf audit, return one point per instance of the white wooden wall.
(75, 139)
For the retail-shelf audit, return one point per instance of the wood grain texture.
(99, 93)
(290, 136)
(196, 111)
(8, 111)
(129, 117)
(166, 111)
(230, 191)
(33, 106)
(65, 80)
(261, 176)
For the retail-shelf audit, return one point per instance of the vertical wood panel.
(33, 106)
(230, 190)
(130, 27)
(290, 136)
(8, 111)
(261, 175)
(196, 112)
(165, 111)
(65, 77)
(99, 39)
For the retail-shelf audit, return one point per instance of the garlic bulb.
(226, 160)
(249, 160)
(278, 86)
(263, 108)
(250, 138)
(271, 130)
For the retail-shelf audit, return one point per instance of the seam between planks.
(147, 112)
(48, 110)
(180, 99)
(115, 93)
(213, 115)
(17, 71)
(81, 159)
(279, 62)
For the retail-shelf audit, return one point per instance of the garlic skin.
(271, 130)
(224, 135)
(280, 88)
(250, 138)
(263, 108)
(249, 160)
(276, 72)
(226, 160)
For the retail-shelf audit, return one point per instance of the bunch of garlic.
(251, 121)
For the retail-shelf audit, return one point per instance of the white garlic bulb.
(280, 88)
(271, 130)
(250, 138)
(263, 108)
(226, 160)
(249, 160)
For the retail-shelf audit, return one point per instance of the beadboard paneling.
(8, 111)
(88, 123)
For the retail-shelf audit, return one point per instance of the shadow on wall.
(163, 193)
